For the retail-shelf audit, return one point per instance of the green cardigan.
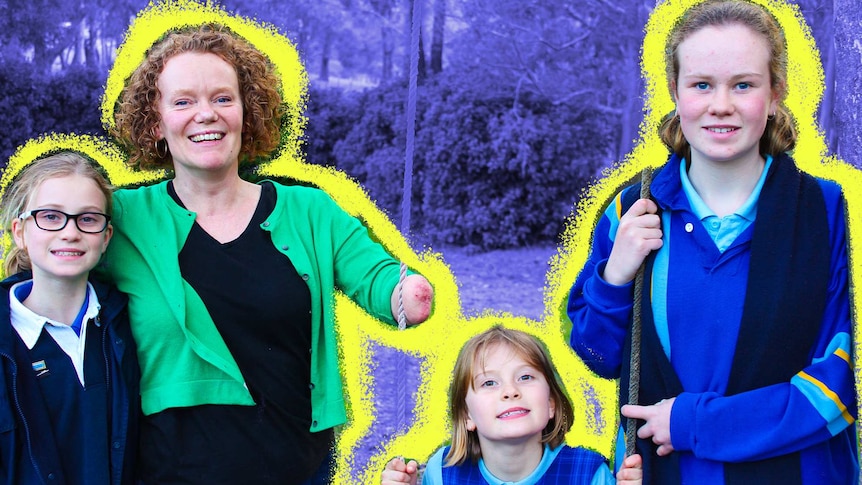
(184, 361)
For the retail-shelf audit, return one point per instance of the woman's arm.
(416, 295)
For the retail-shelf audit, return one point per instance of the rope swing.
(635, 362)
(407, 190)
(403, 412)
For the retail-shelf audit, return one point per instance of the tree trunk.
(41, 58)
(437, 36)
(848, 92)
(823, 26)
(422, 71)
(408, 26)
(108, 50)
(90, 50)
(386, 42)
(80, 40)
(632, 109)
(325, 56)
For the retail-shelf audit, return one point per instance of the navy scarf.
(784, 303)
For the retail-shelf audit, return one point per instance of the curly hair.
(18, 194)
(137, 115)
(780, 133)
(465, 443)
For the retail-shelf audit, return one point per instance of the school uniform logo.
(40, 367)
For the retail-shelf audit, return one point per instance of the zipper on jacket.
(105, 344)
(21, 415)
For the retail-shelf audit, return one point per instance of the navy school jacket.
(28, 453)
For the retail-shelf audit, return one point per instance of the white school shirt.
(29, 326)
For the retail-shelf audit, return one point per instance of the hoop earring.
(161, 155)
(771, 117)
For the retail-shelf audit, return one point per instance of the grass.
(510, 280)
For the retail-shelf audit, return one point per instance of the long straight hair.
(465, 443)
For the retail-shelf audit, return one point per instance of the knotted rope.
(635, 358)
(402, 411)
(407, 191)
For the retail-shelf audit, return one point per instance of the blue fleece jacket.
(697, 300)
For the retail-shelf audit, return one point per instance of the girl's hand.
(417, 295)
(631, 472)
(639, 233)
(657, 425)
(398, 472)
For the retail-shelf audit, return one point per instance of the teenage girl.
(510, 416)
(746, 375)
(68, 369)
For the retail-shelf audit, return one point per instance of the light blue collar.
(548, 456)
(748, 210)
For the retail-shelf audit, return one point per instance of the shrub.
(17, 98)
(332, 113)
(34, 104)
(486, 173)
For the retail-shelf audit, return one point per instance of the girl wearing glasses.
(68, 367)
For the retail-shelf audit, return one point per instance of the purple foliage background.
(544, 61)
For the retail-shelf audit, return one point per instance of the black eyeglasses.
(54, 220)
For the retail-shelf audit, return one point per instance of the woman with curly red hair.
(231, 283)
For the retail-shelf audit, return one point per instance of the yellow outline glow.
(437, 342)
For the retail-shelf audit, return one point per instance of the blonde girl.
(68, 368)
(509, 420)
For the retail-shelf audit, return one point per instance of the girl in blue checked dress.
(510, 417)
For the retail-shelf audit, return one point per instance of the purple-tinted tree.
(410, 5)
(847, 126)
(386, 12)
(53, 34)
(39, 30)
(820, 17)
(634, 17)
(837, 27)
(438, 34)
(561, 52)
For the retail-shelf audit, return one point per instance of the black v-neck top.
(262, 309)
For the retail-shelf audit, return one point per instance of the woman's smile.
(201, 113)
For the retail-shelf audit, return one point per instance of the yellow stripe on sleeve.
(828, 393)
